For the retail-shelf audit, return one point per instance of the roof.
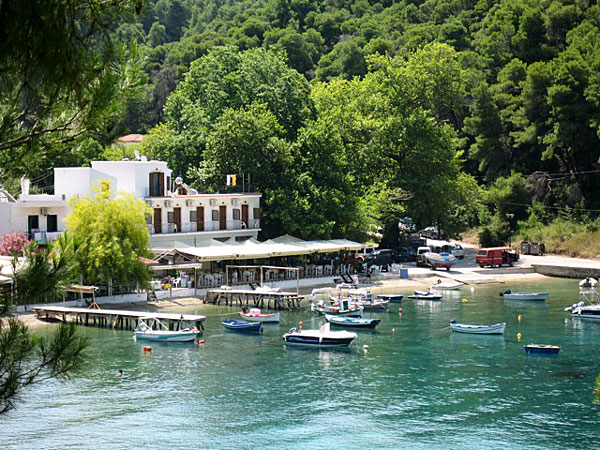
(131, 139)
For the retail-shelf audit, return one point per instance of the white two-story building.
(180, 216)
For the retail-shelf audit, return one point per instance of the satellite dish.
(178, 181)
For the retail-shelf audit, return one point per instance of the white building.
(179, 218)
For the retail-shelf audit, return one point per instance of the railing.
(44, 237)
(209, 225)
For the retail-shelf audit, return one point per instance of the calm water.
(419, 387)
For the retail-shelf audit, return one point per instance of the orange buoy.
(147, 348)
(301, 324)
(399, 310)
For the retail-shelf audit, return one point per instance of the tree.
(25, 359)
(112, 233)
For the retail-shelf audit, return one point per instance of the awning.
(287, 239)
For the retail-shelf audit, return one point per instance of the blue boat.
(535, 349)
(242, 325)
(351, 322)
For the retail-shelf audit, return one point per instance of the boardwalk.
(256, 298)
(115, 318)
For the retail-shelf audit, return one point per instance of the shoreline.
(379, 286)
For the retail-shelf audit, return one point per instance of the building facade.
(180, 216)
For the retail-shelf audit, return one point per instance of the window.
(157, 184)
(170, 217)
(236, 214)
(193, 216)
(256, 213)
(215, 215)
(51, 223)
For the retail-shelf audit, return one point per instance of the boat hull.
(536, 296)
(163, 337)
(316, 342)
(241, 326)
(447, 286)
(497, 328)
(587, 312)
(533, 349)
(352, 322)
(264, 318)
(393, 298)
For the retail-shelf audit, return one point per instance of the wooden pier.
(256, 298)
(115, 318)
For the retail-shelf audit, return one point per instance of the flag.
(231, 180)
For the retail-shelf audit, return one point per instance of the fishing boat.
(425, 295)
(589, 305)
(446, 286)
(242, 325)
(393, 298)
(508, 295)
(535, 349)
(351, 322)
(339, 306)
(496, 328)
(365, 299)
(321, 338)
(152, 329)
(255, 315)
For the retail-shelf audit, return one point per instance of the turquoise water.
(418, 387)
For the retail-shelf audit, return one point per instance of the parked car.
(458, 251)
(421, 262)
(406, 254)
(382, 258)
(496, 256)
(360, 255)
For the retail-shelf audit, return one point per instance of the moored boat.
(365, 299)
(446, 286)
(508, 295)
(255, 315)
(393, 298)
(152, 329)
(496, 328)
(535, 349)
(241, 325)
(425, 295)
(339, 306)
(589, 305)
(321, 338)
(352, 322)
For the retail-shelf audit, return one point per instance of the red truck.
(496, 256)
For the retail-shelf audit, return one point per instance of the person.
(120, 372)
(369, 279)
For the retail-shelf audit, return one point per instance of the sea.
(411, 383)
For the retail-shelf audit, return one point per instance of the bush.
(494, 235)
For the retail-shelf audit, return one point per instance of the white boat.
(589, 305)
(152, 329)
(339, 306)
(255, 315)
(365, 299)
(446, 286)
(425, 295)
(508, 295)
(321, 338)
(496, 328)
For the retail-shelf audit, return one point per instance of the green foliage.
(27, 359)
(112, 235)
(495, 234)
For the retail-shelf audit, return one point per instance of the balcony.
(209, 225)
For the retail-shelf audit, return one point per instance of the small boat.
(242, 325)
(447, 286)
(255, 315)
(589, 305)
(440, 260)
(321, 338)
(365, 299)
(152, 329)
(351, 322)
(425, 295)
(496, 328)
(339, 306)
(393, 298)
(535, 349)
(508, 295)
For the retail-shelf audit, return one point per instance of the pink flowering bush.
(13, 243)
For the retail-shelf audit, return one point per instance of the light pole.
(509, 217)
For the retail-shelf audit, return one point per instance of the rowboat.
(255, 315)
(440, 260)
(242, 325)
(321, 338)
(508, 295)
(535, 349)
(425, 295)
(496, 328)
(152, 329)
(393, 298)
(447, 286)
(351, 322)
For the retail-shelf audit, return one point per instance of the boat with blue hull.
(321, 338)
(535, 349)
(352, 322)
(242, 326)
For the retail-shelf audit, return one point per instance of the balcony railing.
(209, 225)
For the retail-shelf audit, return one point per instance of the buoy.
(301, 324)
(399, 310)
(365, 347)
(201, 341)
(147, 348)
(464, 300)
(393, 330)
(520, 317)
(519, 336)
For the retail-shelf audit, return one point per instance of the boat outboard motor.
(505, 292)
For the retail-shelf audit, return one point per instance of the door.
(245, 218)
(177, 219)
(33, 225)
(156, 184)
(222, 217)
(200, 218)
(51, 223)
(157, 220)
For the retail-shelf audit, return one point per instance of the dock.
(115, 318)
(254, 298)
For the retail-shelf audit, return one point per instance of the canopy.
(286, 239)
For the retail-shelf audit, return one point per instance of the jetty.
(115, 318)
(258, 298)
